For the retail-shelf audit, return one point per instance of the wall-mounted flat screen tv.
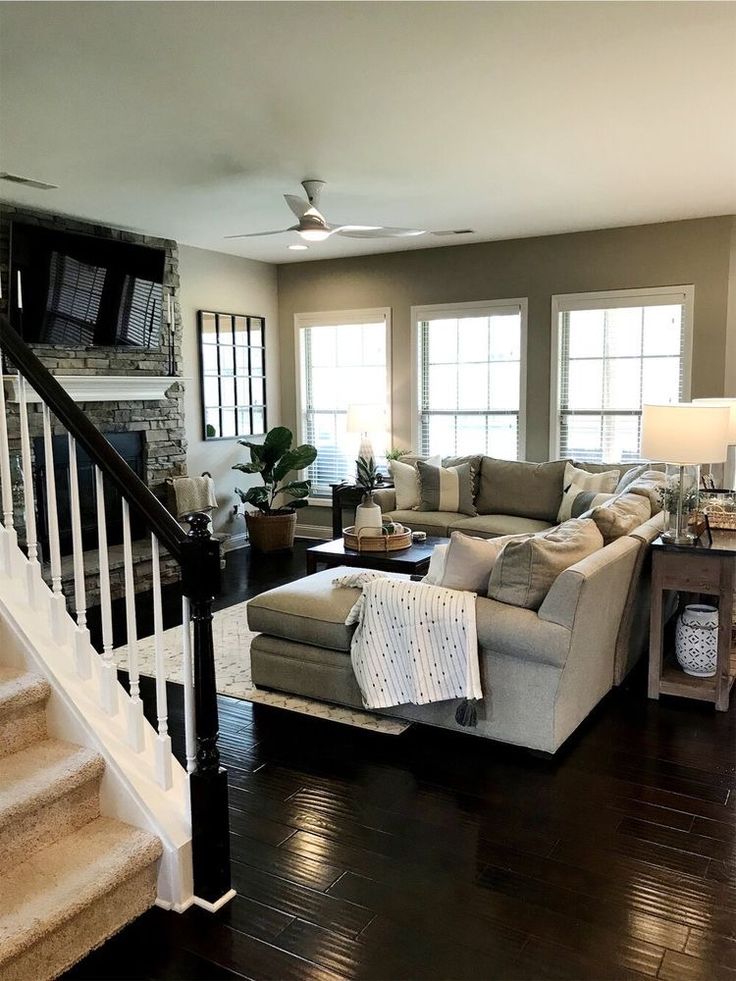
(80, 290)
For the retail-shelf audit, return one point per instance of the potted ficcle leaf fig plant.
(273, 524)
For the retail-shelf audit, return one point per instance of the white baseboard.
(314, 531)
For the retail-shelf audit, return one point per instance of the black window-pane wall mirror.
(232, 356)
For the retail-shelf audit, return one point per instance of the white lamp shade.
(366, 418)
(685, 433)
(730, 404)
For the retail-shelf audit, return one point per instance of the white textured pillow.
(469, 561)
(436, 565)
(578, 481)
(406, 482)
(650, 484)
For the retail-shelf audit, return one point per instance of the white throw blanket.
(414, 643)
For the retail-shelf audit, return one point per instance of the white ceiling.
(190, 120)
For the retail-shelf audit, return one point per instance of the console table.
(700, 568)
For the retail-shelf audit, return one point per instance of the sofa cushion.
(309, 610)
(474, 461)
(433, 522)
(469, 561)
(491, 525)
(621, 516)
(446, 488)
(519, 633)
(529, 490)
(576, 482)
(650, 484)
(406, 482)
(526, 568)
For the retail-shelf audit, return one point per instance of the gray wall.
(214, 281)
(694, 252)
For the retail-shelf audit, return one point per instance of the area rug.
(232, 641)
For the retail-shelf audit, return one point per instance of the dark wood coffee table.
(413, 560)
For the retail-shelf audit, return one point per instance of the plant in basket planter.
(367, 513)
(273, 524)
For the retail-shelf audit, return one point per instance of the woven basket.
(720, 517)
(365, 541)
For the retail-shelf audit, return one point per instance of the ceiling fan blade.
(279, 231)
(377, 231)
(298, 205)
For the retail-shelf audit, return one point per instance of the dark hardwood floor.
(439, 855)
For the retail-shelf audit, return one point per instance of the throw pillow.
(650, 484)
(578, 481)
(586, 501)
(474, 461)
(621, 516)
(469, 561)
(406, 482)
(525, 570)
(446, 488)
(630, 476)
(525, 490)
(437, 563)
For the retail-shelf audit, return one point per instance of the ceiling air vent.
(28, 182)
(457, 231)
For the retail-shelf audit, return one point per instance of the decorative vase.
(271, 532)
(696, 640)
(368, 515)
(680, 500)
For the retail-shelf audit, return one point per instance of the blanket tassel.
(467, 713)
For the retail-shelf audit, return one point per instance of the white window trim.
(478, 308)
(338, 318)
(609, 299)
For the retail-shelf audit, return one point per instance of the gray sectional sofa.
(542, 671)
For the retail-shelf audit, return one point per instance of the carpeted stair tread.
(62, 881)
(34, 777)
(20, 688)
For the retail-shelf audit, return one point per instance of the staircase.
(69, 877)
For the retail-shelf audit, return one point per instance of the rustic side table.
(695, 569)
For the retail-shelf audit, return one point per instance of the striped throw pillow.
(446, 488)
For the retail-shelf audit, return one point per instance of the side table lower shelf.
(674, 681)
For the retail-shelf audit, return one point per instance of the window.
(611, 353)
(471, 378)
(342, 357)
(233, 374)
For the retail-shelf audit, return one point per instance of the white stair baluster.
(81, 633)
(8, 532)
(190, 739)
(135, 705)
(33, 569)
(57, 608)
(109, 687)
(163, 740)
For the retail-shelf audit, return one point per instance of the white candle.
(20, 293)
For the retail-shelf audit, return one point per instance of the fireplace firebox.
(131, 447)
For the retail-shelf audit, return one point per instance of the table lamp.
(683, 435)
(728, 481)
(366, 418)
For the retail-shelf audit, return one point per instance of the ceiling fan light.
(314, 234)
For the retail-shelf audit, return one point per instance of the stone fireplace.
(129, 394)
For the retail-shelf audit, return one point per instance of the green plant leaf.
(295, 505)
(278, 440)
(296, 459)
(248, 467)
(297, 488)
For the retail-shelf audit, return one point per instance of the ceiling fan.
(312, 226)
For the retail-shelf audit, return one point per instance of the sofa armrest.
(385, 499)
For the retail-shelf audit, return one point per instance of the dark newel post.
(208, 782)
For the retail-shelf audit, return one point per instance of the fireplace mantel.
(100, 388)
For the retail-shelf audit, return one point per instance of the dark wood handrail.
(160, 521)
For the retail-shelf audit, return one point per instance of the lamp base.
(366, 448)
(680, 500)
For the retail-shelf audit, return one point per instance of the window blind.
(340, 364)
(614, 355)
(470, 366)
